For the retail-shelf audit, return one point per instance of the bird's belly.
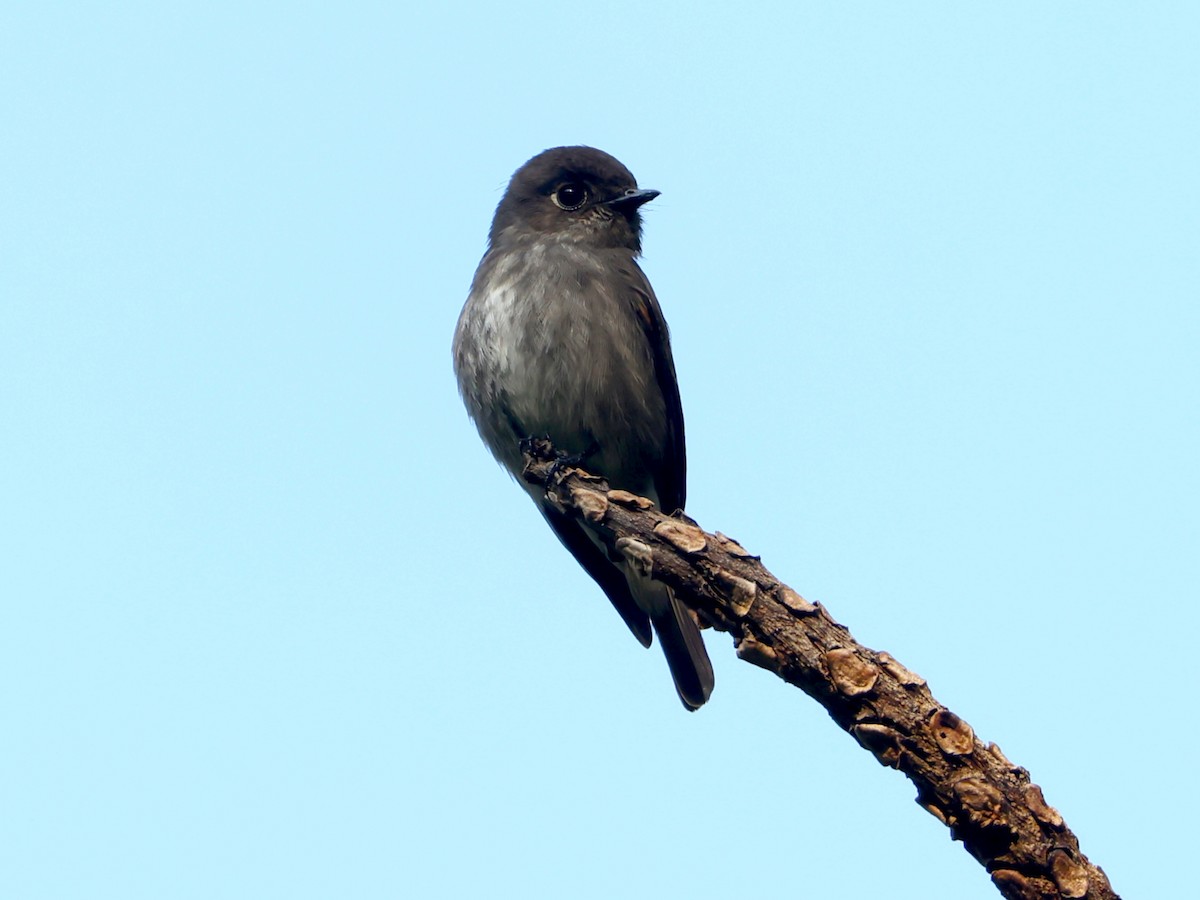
(589, 386)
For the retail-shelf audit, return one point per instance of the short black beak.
(633, 198)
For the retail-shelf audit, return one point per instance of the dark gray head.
(576, 193)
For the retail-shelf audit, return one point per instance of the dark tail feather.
(686, 657)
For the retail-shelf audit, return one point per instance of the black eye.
(571, 195)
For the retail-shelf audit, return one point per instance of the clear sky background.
(274, 625)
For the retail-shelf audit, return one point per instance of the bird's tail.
(683, 647)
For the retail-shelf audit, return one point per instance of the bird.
(561, 336)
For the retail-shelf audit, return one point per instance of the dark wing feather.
(670, 472)
(597, 564)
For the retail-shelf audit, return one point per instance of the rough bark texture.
(987, 802)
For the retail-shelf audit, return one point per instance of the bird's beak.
(632, 199)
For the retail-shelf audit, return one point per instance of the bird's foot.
(542, 449)
(571, 460)
(536, 447)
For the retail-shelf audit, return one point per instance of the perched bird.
(562, 336)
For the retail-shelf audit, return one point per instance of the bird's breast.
(559, 351)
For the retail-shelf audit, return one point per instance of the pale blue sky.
(274, 625)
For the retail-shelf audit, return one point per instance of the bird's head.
(573, 193)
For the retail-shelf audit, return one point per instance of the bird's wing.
(670, 472)
(605, 572)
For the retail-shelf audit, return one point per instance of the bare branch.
(987, 802)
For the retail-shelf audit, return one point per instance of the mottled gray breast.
(556, 349)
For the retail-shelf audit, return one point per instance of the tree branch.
(987, 802)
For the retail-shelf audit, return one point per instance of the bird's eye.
(571, 195)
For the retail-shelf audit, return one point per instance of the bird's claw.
(570, 460)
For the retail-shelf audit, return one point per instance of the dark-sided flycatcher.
(563, 337)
